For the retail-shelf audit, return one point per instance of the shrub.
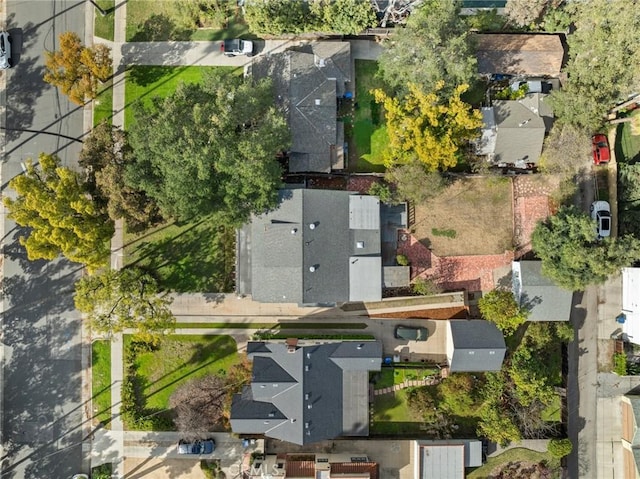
(402, 260)
(620, 364)
(425, 287)
(102, 471)
(382, 191)
(560, 448)
(211, 469)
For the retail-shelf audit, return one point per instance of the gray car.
(5, 51)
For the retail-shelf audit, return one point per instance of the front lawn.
(103, 105)
(514, 455)
(365, 130)
(104, 24)
(178, 359)
(144, 82)
(196, 256)
(101, 381)
(627, 147)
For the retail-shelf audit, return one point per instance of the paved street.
(42, 423)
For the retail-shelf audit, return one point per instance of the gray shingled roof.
(308, 80)
(478, 345)
(285, 249)
(519, 54)
(537, 293)
(329, 397)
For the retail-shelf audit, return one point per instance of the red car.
(601, 152)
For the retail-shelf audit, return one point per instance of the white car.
(601, 214)
(5, 50)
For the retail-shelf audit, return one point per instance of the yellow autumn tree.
(426, 127)
(76, 69)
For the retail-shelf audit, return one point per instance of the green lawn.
(178, 359)
(144, 82)
(103, 25)
(103, 105)
(101, 381)
(196, 256)
(627, 147)
(392, 416)
(367, 135)
(553, 411)
(512, 455)
(151, 20)
(391, 376)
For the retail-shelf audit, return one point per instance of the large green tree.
(209, 147)
(603, 67)
(572, 256)
(500, 307)
(54, 203)
(128, 298)
(433, 46)
(105, 154)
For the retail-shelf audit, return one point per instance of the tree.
(348, 17)
(277, 17)
(560, 448)
(209, 147)
(496, 423)
(105, 155)
(198, 405)
(528, 13)
(53, 202)
(427, 127)
(500, 307)
(414, 183)
(572, 256)
(76, 69)
(117, 300)
(603, 67)
(567, 150)
(433, 46)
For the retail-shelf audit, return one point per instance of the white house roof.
(631, 303)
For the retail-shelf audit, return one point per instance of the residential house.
(618, 445)
(513, 131)
(307, 393)
(520, 54)
(539, 295)
(308, 82)
(630, 316)
(317, 466)
(474, 346)
(446, 459)
(318, 247)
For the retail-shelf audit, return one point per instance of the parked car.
(205, 446)
(601, 151)
(233, 48)
(601, 214)
(5, 51)
(80, 476)
(411, 333)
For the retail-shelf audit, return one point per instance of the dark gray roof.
(329, 397)
(478, 345)
(520, 133)
(544, 300)
(308, 251)
(308, 81)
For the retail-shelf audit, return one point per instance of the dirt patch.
(473, 216)
(521, 470)
(156, 468)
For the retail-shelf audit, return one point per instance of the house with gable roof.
(538, 294)
(307, 393)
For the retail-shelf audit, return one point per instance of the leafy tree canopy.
(105, 154)
(500, 307)
(76, 69)
(53, 201)
(433, 46)
(128, 298)
(566, 150)
(603, 67)
(571, 255)
(428, 127)
(209, 147)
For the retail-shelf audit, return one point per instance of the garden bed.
(517, 455)
(101, 382)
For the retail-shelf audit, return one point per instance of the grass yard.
(391, 376)
(475, 213)
(178, 359)
(145, 82)
(391, 415)
(104, 24)
(627, 147)
(553, 412)
(150, 20)
(364, 129)
(101, 381)
(512, 455)
(197, 256)
(103, 105)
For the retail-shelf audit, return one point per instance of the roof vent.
(522, 123)
(360, 244)
(306, 396)
(306, 425)
(306, 367)
(293, 419)
(309, 406)
(272, 414)
(308, 355)
(312, 226)
(317, 101)
(312, 269)
(294, 231)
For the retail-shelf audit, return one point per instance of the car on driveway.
(601, 151)
(5, 51)
(411, 333)
(601, 214)
(205, 446)
(233, 48)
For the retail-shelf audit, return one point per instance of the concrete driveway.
(433, 349)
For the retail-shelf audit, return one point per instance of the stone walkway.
(428, 381)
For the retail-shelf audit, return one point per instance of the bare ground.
(473, 216)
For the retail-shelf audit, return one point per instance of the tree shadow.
(158, 28)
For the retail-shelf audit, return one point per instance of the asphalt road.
(41, 391)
